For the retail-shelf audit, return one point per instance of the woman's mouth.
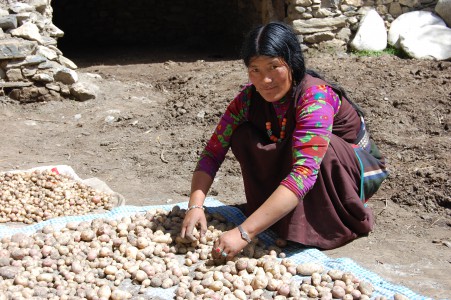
(268, 88)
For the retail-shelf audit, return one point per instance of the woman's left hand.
(228, 244)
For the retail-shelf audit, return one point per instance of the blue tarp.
(296, 254)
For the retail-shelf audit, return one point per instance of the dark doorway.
(177, 25)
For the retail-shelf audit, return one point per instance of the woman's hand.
(193, 218)
(228, 244)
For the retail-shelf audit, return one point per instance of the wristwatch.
(244, 234)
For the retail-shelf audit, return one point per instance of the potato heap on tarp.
(132, 255)
(34, 196)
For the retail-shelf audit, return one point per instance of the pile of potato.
(30, 197)
(126, 257)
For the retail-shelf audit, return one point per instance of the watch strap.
(244, 234)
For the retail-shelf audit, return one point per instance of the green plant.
(390, 50)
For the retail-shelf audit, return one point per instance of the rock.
(47, 53)
(54, 48)
(39, 5)
(200, 115)
(305, 3)
(67, 62)
(26, 94)
(28, 31)
(21, 7)
(336, 45)
(344, 34)
(395, 9)
(66, 76)
(54, 31)
(13, 84)
(3, 12)
(411, 21)
(25, 17)
(409, 3)
(43, 77)
(321, 13)
(14, 48)
(356, 3)
(318, 25)
(30, 60)
(8, 22)
(428, 42)
(53, 87)
(14, 75)
(83, 91)
(28, 72)
(319, 37)
(371, 35)
(50, 65)
(48, 41)
(443, 9)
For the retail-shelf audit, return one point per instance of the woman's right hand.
(194, 218)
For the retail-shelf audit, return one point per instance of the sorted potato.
(30, 197)
(104, 259)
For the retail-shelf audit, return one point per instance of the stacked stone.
(32, 68)
(331, 23)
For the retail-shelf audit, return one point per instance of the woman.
(307, 162)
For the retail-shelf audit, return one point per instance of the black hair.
(275, 40)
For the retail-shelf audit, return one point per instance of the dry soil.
(155, 111)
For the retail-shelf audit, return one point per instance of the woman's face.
(271, 76)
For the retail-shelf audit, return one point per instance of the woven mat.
(297, 255)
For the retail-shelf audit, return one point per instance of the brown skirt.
(331, 213)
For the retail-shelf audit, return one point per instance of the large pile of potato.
(30, 197)
(124, 258)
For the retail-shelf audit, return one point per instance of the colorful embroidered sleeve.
(214, 153)
(315, 112)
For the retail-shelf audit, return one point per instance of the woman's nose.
(267, 79)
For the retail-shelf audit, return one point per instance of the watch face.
(244, 234)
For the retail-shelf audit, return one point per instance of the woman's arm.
(279, 204)
(315, 113)
(216, 149)
(211, 159)
(200, 185)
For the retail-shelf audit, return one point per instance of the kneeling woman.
(307, 161)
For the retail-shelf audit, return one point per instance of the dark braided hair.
(277, 39)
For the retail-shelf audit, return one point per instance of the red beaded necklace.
(272, 137)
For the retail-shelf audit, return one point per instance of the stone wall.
(33, 67)
(332, 23)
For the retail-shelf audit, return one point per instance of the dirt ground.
(156, 110)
